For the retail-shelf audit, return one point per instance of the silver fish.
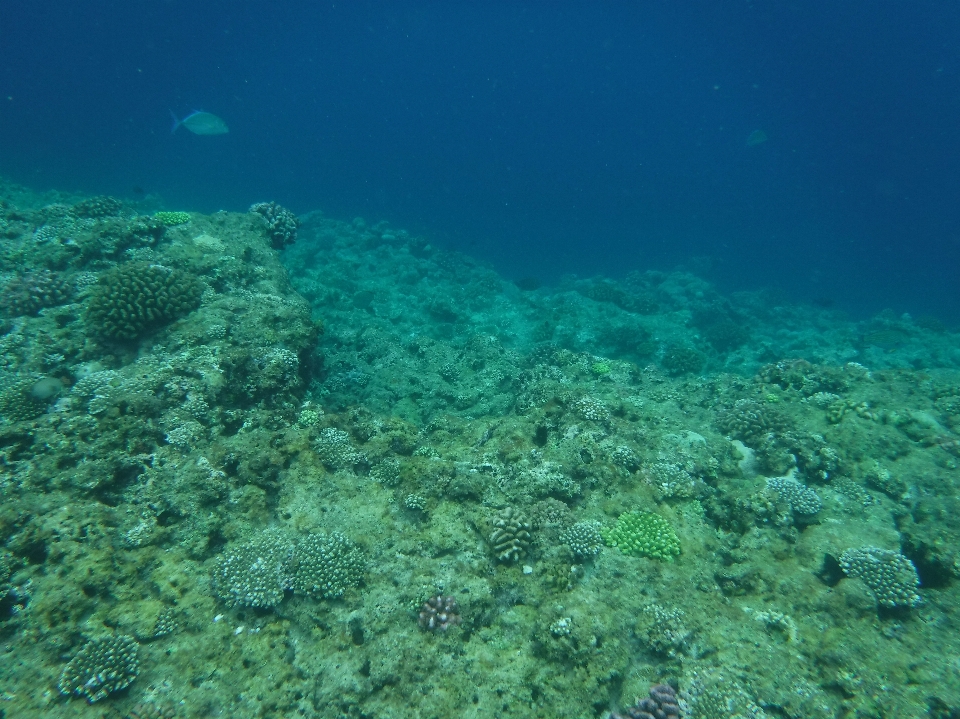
(201, 123)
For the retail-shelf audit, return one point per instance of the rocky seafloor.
(254, 465)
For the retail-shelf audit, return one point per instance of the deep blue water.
(548, 137)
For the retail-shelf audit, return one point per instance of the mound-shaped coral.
(750, 421)
(439, 613)
(681, 359)
(800, 497)
(133, 299)
(282, 224)
(30, 292)
(890, 576)
(96, 207)
(171, 219)
(643, 534)
(102, 666)
(19, 402)
(254, 573)
(584, 539)
(511, 538)
(326, 565)
(258, 571)
(661, 704)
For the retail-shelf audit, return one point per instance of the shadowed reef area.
(256, 465)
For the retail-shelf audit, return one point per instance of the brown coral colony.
(439, 613)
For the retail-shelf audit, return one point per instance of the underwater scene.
(502, 360)
(261, 465)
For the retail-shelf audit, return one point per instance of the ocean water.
(485, 360)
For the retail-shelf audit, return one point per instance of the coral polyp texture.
(97, 207)
(643, 534)
(30, 292)
(101, 667)
(801, 498)
(138, 297)
(326, 565)
(254, 573)
(890, 576)
(510, 538)
(171, 219)
(584, 539)
(662, 703)
(282, 224)
(680, 359)
(750, 421)
(258, 571)
(439, 613)
(20, 399)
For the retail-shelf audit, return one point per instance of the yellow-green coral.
(643, 534)
(172, 218)
(600, 368)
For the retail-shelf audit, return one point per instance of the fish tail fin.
(176, 123)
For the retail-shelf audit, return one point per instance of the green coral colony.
(643, 534)
(256, 465)
(171, 219)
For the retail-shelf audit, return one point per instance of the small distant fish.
(528, 284)
(888, 340)
(757, 137)
(201, 123)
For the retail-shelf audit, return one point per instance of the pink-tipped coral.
(661, 704)
(439, 613)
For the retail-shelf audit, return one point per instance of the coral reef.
(258, 571)
(681, 359)
(254, 573)
(751, 421)
(97, 207)
(135, 298)
(801, 498)
(26, 398)
(194, 487)
(663, 630)
(335, 450)
(101, 667)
